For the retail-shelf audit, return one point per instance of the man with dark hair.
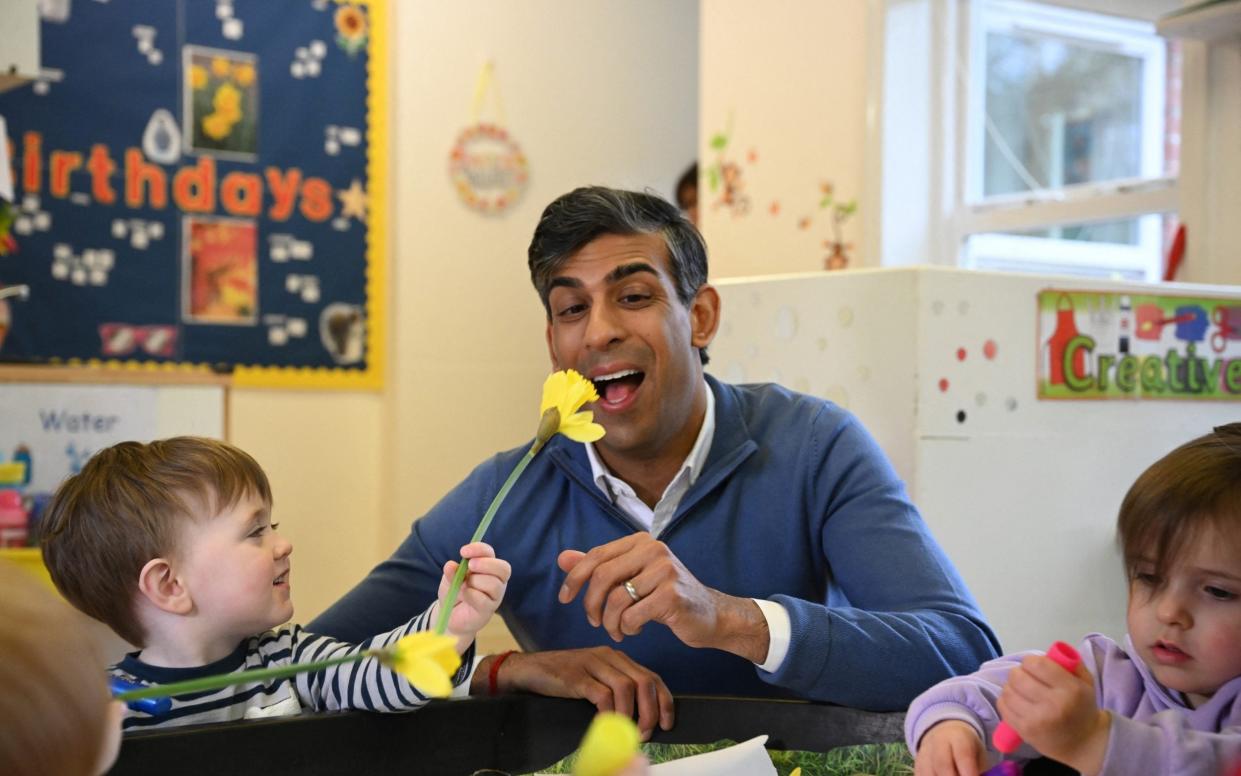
(761, 523)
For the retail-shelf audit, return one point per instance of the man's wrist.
(742, 629)
(482, 671)
(490, 679)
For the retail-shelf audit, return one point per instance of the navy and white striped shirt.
(365, 684)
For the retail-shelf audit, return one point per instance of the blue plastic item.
(152, 706)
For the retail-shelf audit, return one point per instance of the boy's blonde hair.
(126, 507)
(54, 705)
(1196, 486)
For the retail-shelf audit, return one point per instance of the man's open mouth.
(280, 580)
(615, 388)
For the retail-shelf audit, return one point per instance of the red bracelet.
(495, 671)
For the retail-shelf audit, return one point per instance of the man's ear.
(704, 316)
(159, 583)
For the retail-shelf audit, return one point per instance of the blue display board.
(194, 184)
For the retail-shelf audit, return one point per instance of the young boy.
(171, 544)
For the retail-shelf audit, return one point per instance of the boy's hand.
(950, 748)
(1055, 712)
(480, 594)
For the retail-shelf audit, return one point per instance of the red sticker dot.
(960, 354)
(943, 384)
(988, 349)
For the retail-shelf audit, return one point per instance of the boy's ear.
(158, 581)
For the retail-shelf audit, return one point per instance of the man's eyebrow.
(625, 270)
(617, 274)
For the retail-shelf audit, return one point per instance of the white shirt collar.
(694, 462)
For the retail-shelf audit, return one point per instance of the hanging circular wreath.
(488, 168)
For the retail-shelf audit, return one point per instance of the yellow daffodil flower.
(610, 744)
(564, 393)
(220, 67)
(216, 126)
(198, 77)
(428, 660)
(567, 391)
(227, 102)
(244, 74)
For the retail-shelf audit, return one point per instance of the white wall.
(1211, 161)
(598, 92)
(323, 453)
(792, 75)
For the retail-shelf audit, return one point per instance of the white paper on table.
(748, 758)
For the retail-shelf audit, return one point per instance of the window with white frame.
(1068, 153)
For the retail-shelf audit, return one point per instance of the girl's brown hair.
(1196, 486)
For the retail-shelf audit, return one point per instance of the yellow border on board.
(371, 378)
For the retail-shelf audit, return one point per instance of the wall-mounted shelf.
(1214, 20)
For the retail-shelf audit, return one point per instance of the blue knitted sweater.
(796, 504)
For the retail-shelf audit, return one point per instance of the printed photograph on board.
(220, 271)
(221, 111)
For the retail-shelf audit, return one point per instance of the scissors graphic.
(1228, 319)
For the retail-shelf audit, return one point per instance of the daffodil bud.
(549, 424)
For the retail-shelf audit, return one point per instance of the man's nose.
(284, 547)
(603, 328)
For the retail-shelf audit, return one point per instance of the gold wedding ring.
(633, 593)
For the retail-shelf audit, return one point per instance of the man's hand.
(1055, 712)
(950, 748)
(609, 679)
(485, 582)
(668, 593)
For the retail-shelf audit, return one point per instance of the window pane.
(1127, 249)
(1122, 232)
(1060, 111)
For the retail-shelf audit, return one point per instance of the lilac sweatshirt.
(1153, 730)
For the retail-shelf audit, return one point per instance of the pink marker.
(1005, 738)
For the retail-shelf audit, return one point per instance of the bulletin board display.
(201, 183)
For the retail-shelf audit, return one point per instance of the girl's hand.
(481, 593)
(1055, 712)
(950, 748)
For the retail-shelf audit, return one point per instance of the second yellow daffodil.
(428, 660)
(609, 746)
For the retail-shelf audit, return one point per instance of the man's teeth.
(616, 375)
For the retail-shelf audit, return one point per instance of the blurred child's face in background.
(237, 570)
(1187, 627)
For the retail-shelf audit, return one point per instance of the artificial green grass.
(867, 760)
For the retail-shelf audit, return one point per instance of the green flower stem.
(450, 600)
(239, 677)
